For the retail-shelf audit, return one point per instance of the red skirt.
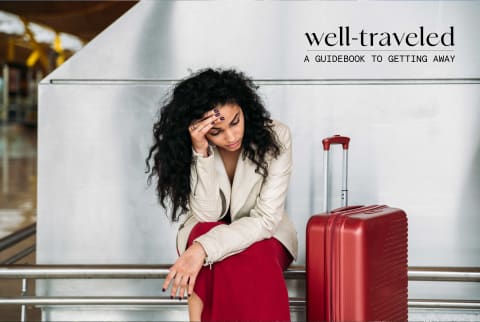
(248, 286)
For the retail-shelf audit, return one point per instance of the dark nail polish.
(163, 290)
(215, 110)
(179, 298)
(171, 297)
(217, 114)
(222, 118)
(213, 122)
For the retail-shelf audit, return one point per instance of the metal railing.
(25, 272)
(446, 274)
(15, 238)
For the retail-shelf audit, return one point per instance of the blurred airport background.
(35, 38)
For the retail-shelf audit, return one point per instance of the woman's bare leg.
(195, 307)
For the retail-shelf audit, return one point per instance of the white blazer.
(257, 204)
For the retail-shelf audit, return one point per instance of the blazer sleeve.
(264, 217)
(205, 200)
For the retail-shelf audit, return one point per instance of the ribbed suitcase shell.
(356, 265)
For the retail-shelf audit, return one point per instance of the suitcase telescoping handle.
(344, 141)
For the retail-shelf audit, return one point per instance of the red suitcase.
(356, 263)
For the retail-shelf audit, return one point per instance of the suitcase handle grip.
(336, 139)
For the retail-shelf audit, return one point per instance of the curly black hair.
(191, 98)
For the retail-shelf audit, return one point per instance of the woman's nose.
(229, 136)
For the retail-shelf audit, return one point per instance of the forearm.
(205, 200)
(226, 240)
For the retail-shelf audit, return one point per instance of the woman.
(221, 160)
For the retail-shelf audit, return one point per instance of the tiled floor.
(18, 173)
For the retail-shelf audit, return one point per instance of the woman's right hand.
(183, 274)
(199, 128)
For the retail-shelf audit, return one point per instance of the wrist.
(200, 249)
(202, 152)
(206, 261)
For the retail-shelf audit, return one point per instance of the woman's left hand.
(185, 270)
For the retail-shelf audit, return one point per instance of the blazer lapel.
(243, 181)
(222, 177)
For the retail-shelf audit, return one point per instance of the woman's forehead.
(228, 108)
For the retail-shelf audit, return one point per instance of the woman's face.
(228, 134)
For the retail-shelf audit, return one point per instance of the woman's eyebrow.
(216, 128)
(233, 119)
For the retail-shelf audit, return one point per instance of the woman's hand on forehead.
(199, 128)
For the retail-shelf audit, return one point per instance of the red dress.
(248, 286)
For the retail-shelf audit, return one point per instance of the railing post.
(23, 317)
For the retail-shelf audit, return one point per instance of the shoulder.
(282, 131)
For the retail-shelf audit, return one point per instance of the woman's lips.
(234, 145)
